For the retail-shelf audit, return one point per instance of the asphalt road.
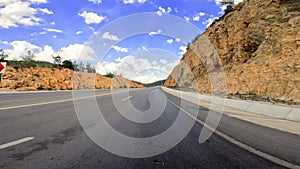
(59, 141)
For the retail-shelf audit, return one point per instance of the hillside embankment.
(32, 79)
(258, 49)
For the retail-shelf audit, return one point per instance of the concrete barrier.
(275, 111)
(238, 104)
(294, 115)
(269, 110)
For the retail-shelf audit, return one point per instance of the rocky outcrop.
(258, 48)
(121, 82)
(24, 79)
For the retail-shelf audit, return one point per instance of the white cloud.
(162, 11)
(209, 21)
(155, 32)
(187, 18)
(144, 48)
(46, 54)
(128, 1)
(38, 1)
(196, 18)
(221, 12)
(142, 1)
(150, 77)
(52, 23)
(168, 67)
(163, 61)
(77, 52)
(182, 50)
(20, 48)
(218, 1)
(201, 14)
(79, 32)
(133, 1)
(92, 29)
(46, 11)
(238, 1)
(235, 1)
(18, 12)
(106, 67)
(53, 30)
(176, 10)
(170, 41)
(32, 34)
(223, 7)
(43, 33)
(109, 36)
(177, 40)
(91, 17)
(120, 49)
(74, 51)
(135, 68)
(4, 42)
(169, 10)
(96, 1)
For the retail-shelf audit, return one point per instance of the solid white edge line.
(44, 91)
(242, 145)
(13, 143)
(59, 101)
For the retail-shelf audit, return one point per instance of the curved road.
(57, 140)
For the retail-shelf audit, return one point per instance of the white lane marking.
(24, 100)
(3, 146)
(47, 91)
(39, 91)
(240, 144)
(62, 91)
(125, 99)
(58, 101)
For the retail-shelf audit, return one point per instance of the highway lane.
(60, 142)
(25, 98)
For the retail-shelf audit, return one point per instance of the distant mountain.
(158, 83)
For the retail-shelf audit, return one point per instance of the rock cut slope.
(23, 79)
(258, 46)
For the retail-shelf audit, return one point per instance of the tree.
(229, 5)
(75, 65)
(57, 60)
(3, 56)
(29, 60)
(110, 75)
(81, 67)
(29, 57)
(68, 64)
(90, 68)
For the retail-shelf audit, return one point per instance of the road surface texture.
(57, 140)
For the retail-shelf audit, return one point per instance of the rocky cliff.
(258, 49)
(22, 79)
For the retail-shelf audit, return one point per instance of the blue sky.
(97, 31)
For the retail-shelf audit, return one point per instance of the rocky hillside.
(258, 46)
(23, 79)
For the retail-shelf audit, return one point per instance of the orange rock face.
(258, 46)
(121, 82)
(31, 79)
